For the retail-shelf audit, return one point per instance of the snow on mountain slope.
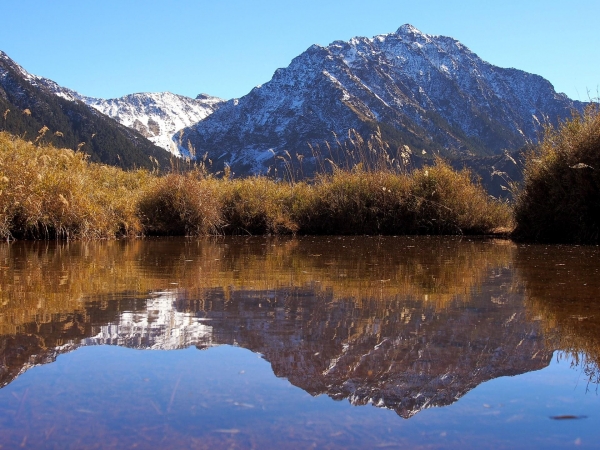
(158, 116)
(71, 122)
(429, 92)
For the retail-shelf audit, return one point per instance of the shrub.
(257, 205)
(49, 192)
(560, 197)
(181, 204)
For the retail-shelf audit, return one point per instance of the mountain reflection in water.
(402, 323)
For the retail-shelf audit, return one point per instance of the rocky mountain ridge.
(158, 116)
(31, 107)
(428, 92)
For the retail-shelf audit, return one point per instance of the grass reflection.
(41, 282)
(563, 292)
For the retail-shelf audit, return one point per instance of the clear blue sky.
(224, 48)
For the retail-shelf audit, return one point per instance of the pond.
(312, 342)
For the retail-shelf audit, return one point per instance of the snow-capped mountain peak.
(422, 90)
(409, 30)
(158, 116)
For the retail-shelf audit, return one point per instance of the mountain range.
(424, 94)
(156, 116)
(31, 108)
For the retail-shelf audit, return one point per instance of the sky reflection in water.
(411, 325)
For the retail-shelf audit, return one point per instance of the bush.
(49, 192)
(56, 193)
(560, 197)
(181, 204)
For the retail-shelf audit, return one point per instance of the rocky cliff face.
(428, 92)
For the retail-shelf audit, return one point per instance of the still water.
(362, 342)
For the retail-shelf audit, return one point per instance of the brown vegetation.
(56, 193)
(48, 192)
(432, 200)
(181, 204)
(560, 197)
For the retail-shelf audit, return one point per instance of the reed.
(57, 193)
(560, 197)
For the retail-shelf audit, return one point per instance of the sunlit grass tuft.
(57, 193)
(432, 200)
(181, 204)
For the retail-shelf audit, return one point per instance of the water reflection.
(562, 285)
(401, 323)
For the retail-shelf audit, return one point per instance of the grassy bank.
(57, 193)
(560, 197)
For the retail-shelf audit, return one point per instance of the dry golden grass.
(48, 192)
(181, 204)
(433, 200)
(258, 205)
(57, 193)
(560, 197)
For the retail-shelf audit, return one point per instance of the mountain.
(430, 93)
(399, 353)
(159, 116)
(29, 103)
(156, 116)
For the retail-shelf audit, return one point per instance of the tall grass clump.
(446, 201)
(181, 204)
(56, 193)
(560, 197)
(432, 200)
(259, 205)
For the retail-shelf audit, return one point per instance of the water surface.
(312, 342)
